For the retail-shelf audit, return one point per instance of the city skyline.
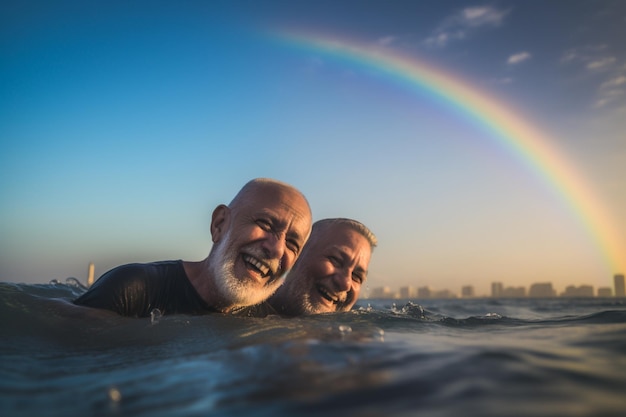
(499, 290)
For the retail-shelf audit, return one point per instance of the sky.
(124, 124)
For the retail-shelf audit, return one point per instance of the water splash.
(155, 316)
(368, 308)
(409, 309)
(75, 283)
(414, 310)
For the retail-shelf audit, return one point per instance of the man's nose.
(274, 246)
(342, 279)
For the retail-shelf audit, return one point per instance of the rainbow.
(531, 147)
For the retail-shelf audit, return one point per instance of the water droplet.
(155, 316)
(115, 395)
(344, 329)
(379, 334)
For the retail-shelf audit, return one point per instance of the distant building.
(381, 292)
(605, 292)
(443, 294)
(542, 290)
(424, 292)
(90, 274)
(619, 285)
(407, 292)
(496, 289)
(585, 291)
(467, 291)
(578, 292)
(514, 292)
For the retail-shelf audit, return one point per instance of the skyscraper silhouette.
(619, 285)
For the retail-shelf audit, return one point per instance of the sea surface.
(462, 357)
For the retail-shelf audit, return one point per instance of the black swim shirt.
(263, 309)
(134, 290)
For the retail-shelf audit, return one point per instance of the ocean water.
(464, 357)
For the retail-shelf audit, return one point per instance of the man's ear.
(219, 222)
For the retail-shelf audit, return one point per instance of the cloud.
(482, 16)
(518, 58)
(610, 98)
(611, 91)
(592, 56)
(439, 40)
(601, 63)
(618, 81)
(463, 23)
(597, 65)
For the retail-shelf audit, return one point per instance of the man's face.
(261, 240)
(329, 275)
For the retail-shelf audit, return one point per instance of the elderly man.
(256, 239)
(328, 276)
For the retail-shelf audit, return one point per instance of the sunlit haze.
(123, 125)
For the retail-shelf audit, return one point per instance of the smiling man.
(256, 239)
(329, 274)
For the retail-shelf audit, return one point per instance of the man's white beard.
(235, 291)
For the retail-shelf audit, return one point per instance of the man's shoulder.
(135, 273)
(141, 271)
(119, 281)
(130, 285)
(138, 266)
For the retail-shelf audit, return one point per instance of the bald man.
(256, 239)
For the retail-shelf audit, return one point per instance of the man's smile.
(262, 268)
(327, 295)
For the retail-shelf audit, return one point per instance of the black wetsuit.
(260, 310)
(135, 290)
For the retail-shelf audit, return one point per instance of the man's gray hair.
(352, 224)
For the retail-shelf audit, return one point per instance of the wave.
(32, 307)
(469, 357)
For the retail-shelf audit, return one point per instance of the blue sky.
(123, 125)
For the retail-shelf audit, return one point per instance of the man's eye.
(293, 246)
(358, 278)
(264, 224)
(334, 260)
